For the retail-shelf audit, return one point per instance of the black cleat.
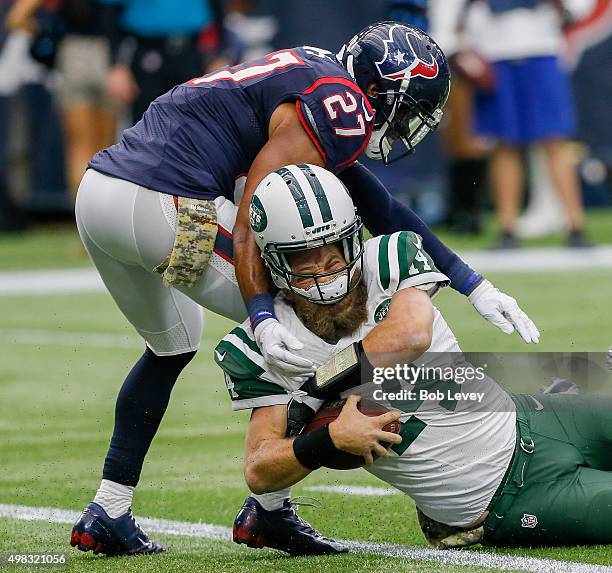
(281, 529)
(576, 239)
(96, 531)
(506, 241)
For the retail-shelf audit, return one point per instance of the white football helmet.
(303, 207)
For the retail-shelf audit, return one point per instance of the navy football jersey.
(198, 138)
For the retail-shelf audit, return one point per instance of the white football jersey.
(456, 446)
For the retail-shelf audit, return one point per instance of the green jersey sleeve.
(248, 383)
(402, 263)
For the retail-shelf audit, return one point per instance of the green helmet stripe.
(298, 196)
(317, 189)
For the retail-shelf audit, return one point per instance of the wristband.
(471, 283)
(260, 308)
(315, 449)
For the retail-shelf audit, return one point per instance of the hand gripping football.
(331, 410)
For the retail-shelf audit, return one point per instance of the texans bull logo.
(401, 60)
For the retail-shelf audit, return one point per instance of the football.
(331, 410)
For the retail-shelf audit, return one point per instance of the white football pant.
(128, 230)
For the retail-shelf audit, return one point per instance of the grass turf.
(198, 555)
(56, 411)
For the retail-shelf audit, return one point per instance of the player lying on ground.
(502, 469)
(386, 87)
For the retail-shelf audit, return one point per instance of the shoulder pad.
(402, 262)
(338, 118)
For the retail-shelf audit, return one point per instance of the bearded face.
(334, 321)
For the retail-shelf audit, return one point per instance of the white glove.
(503, 311)
(277, 345)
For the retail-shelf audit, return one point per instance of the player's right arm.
(269, 461)
(288, 143)
(273, 461)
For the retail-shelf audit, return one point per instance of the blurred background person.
(81, 59)
(32, 150)
(448, 181)
(409, 12)
(468, 153)
(158, 45)
(11, 217)
(589, 51)
(530, 103)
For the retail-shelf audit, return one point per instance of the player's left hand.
(503, 311)
(279, 348)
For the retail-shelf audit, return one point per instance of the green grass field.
(62, 364)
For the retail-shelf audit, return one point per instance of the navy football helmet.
(413, 81)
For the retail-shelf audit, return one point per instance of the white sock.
(114, 498)
(273, 500)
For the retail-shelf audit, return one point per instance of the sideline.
(539, 260)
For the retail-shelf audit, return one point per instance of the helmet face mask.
(325, 288)
(408, 123)
(412, 80)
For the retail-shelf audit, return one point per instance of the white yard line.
(221, 533)
(50, 282)
(70, 339)
(539, 260)
(523, 260)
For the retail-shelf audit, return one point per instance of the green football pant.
(561, 492)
